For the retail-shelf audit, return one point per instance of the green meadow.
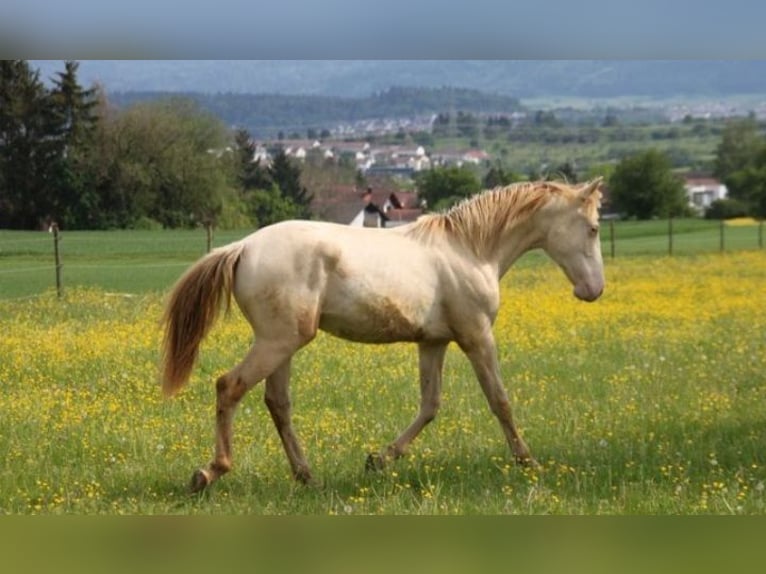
(648, 401)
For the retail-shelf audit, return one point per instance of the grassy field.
(649, 401)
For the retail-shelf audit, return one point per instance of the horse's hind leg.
(277, 399)
(263, 359)
(431, 361)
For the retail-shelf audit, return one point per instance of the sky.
(327, 29)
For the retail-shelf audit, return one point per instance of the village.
(391, 199)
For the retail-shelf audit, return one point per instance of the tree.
(546, 119)
(740, 143)
(262, 197)
(30, 147)
(741, 164)
(467, 125)
(748, 184)
(497, 176)
(74, 105)
(167, 162)
(442, 187)
(565, 171)
(644, 186)
(250, 174)
(727, 208)
(269, 206)
(287, 177)
(76, 110)
(441, 125)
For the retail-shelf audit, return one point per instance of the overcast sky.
(323, 29)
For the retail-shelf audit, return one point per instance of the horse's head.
(573, 242)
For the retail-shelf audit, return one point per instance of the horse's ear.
(590, 187)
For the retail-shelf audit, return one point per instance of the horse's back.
(370, 285)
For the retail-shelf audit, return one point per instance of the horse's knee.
(429, 416)
(430, 410)
(501, 408)
(230, 389)
(279, 410)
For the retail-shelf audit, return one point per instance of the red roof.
(404, 214)
(705, 181)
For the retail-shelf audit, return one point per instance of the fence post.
(611, 237)
(723, 229)
(670, 235)
(209, 231)
(54, 228)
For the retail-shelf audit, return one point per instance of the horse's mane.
(481, 220)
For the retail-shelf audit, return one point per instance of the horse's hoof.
(375, 463)
(304, 477)
(199, 481)
(528, 462)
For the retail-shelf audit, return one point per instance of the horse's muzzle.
(588, 292)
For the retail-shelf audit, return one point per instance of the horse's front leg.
(482, 352)
(431, 362)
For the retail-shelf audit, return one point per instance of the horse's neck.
(516, 241)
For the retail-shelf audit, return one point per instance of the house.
(370, 215)
(701, 191)
(387, 208)
(462, 157)
(299, 149)
(261, 155)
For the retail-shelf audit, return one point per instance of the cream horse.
(431, 282)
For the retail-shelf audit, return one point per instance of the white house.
(261, 155)
(702, 191)
(390, 210)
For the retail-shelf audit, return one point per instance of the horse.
(431, 282)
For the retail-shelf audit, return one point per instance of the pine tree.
(74, 105)
(29, 147)
(75, 110)
(287, 176)
(250, 174)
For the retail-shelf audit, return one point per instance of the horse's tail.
(191, 310)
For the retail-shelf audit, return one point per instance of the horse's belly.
(392, 300)
(363, 326)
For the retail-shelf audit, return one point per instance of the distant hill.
(362, 78)
(267, 114)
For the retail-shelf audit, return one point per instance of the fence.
(33, 263)
(680, 236)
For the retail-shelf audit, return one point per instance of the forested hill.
(361, 78)
(266, 114)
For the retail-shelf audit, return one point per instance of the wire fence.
(38, 263)
(34, 264)
(680, 236)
